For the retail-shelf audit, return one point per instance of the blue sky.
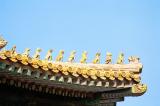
(129, 26)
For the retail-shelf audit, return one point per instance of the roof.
(73, 76)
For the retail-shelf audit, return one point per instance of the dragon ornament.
(139, 88)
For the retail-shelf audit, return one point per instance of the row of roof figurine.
(71, 58)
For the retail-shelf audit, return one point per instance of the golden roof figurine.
(26, 52)
(108, 58)
(120, 59)
(72, 56)
(13, 50)
(97, 58)
(24, 57)
(37, 53)
(3, 42)
(49, 55)
(133, 59)
(13, 53)
(60, 56)
(84, 57)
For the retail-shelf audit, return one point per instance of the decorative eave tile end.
(139, 88)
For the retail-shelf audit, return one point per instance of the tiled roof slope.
(93, 77)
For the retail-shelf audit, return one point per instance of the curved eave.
(19, 70)
(135, 90)
(113, 81)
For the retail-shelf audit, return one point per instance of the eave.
(70, 78)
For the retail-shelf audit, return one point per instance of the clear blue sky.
(130, 26)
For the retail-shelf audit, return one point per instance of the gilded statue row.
(71, 58)
(48, 57)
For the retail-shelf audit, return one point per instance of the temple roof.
(76, 76)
